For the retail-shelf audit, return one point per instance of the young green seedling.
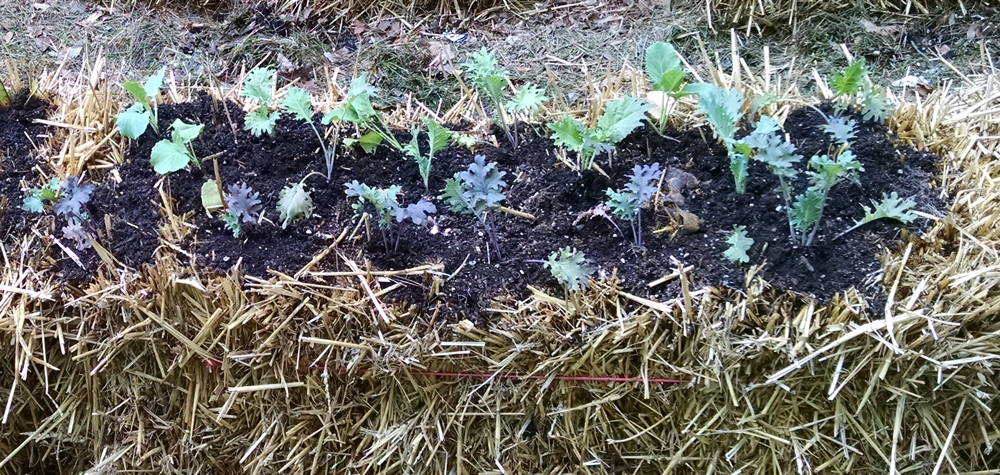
(490, 79)
(169, 156)
(437, 140)
(476, 191)
(665, 76)
(570, 268)
(766, 145)
(723, 109)
(358, 110)
(619, 119)
(854, 89)
(4, 97)
(133, 121)
(258, 86)
(297, 103)
(826, 173)
(243, 207)
(891, 207)
(627, 204)
(385, 203)
(739, 244)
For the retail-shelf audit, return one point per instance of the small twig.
(515, 212)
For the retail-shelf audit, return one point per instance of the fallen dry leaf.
(441, 57)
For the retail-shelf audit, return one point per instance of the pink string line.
(598, 379)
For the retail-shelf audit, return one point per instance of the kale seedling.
(826, 173)
(358, 110)
(297, 103)
(4, 97)
(476, 191)
(739, 244)
(258, 86)
(619, 119)
(437, 140)
(243, 206)
(387, 208)
(294, 202)
(627, 204)
(766, 145)
(133, 121)
(490, 80)
(855, 90)
(666, 76)
(67, 199)
(723, 109)
(169, 156)
(891, 207)
(570, 268)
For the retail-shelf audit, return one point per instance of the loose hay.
(171, 371)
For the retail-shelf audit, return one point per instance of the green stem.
(819, 218)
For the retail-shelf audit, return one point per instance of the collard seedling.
(142, 114)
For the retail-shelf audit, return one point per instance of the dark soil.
(537, 184)
(18, 136)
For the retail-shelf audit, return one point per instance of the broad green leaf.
(210, 198)
(185, 133)
(294, 203)
(258, 85)
(368, 142)
(133, 121)
(875, 106)
(260, 121)
(528, 97)
(297, 102)
(570, 268)
(437, 136)
(661, 58)
(671, 83)
(360, 87)
(137, 92)
(168, 157)
(493, 85)
(739, 244)
(622, 116)
(154, 83)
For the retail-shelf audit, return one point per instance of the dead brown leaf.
(441, 57)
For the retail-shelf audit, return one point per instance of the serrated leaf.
(453, 197)
(623, 204)
(722, 108)
(622, 116)
(481, 66)
(294, 203)
(133, 121)
(233, 224)
(259, 121)
(185, 133)
(875, 106)
(570, 268)
(568, 133)
(297, 102)
(138, 93)
(739, 244)
(663, 66)
(258, 85)
(642, 181)
(76, 232)
(779, 155)
(528, 98)
(72, 197)
(361, 88)
(33, 203)
(849, 81)
(891, 207)
(154, 83)
(805, 210)
(437, 136)
(493, 85)
(168, 157)
(243, 202)
(416, 212)
(211, 200)
(841, 129)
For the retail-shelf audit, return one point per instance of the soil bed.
(537, 184)
(18, 136)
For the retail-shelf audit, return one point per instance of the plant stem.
(819, 217)
(786, 193)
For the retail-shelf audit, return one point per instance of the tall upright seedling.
(619, 119)
(491, 81)
(358, 110)
(627, 204)
(855, 90)
(723, 109)
(437, 140)
(665, 76)
(385, 202)
(297, 102)
(133, 121)
(258, 86)
(477, 191)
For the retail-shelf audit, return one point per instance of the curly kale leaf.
(841, 129)
(243, 202)
(416, 212)
(294, 203)
(570, 268)
(72, 197)
(475, 190)
(739, 244)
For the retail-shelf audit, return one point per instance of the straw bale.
(166, 369)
